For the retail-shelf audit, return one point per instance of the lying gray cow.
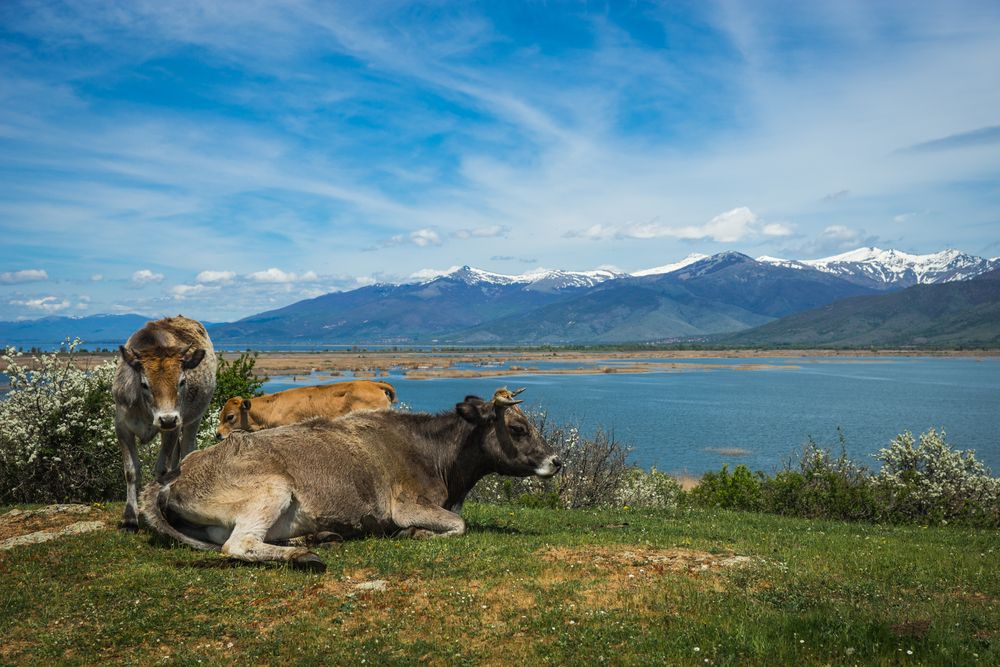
(163, 386)
(368, 473)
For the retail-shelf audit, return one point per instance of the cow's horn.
(505, 397)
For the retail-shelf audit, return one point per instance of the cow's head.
(235, 415)
(162, 382)
(513, 444)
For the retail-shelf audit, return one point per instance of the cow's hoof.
(309, 562)
(129, 526)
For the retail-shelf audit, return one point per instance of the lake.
(698, 419)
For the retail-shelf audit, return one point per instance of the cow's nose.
(556, 463)
(219, 436)
(168, 422)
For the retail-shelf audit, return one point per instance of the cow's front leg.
(133, 477)
(169, 458)
(189, 438)
(418, 519)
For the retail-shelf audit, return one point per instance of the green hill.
(958, 314)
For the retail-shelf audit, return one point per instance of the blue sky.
(223, 158)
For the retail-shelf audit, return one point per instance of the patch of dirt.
(17, 523)
(642, 560)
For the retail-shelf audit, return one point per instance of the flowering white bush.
(594, 474)
(57, 432)
(927, 479)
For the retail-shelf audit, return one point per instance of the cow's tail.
(390, 391)
(153, 505)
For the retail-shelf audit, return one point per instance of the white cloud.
(777, 229)
(45, 304)
(421, 238)
(180, 292)
(489, 231)
(734, 225)
(840, 233)
(274, 275)
(594, 232)
(24, 276)
(96, 278)
(214, 276)
(145, 276)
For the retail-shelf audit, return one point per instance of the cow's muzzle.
(549, 467)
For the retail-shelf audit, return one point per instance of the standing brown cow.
(163, 387)
(295, 405)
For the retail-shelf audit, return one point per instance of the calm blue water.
(676, 420)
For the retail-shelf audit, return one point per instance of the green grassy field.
(523, 587)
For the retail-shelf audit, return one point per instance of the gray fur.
(368, 473)
(140, 415)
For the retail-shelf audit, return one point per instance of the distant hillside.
(954, 314)
(94, 330)
(725, 292)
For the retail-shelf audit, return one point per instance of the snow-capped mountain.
(670, 268)
(536, 279)
(893, 269)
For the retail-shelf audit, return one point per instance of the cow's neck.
(452, 450)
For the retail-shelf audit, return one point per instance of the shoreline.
(437, 364)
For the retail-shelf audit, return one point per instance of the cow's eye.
(518, 431)
(230, 418)
(182, 382)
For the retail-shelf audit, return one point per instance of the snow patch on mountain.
(538, 279)
(890, 268)
(670, 268)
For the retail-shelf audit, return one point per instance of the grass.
(525, 586)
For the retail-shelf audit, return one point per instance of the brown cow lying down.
(295, 405)
(368, 473)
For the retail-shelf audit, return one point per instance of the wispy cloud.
(45, 304)
(273, 275)
(215, 276)
(23, 276)
(144, 277)
(241, 135)
(489, 231)
(984, 136)
(735, 225)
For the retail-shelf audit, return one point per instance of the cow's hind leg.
(263, 507)
(426, 520)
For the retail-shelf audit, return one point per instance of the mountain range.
(694, 297)
(953, 314)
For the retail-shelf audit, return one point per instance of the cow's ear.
(192, 359)
(246, 404)
(474, 410)
(130, 357)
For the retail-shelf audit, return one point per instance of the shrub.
(928, 481)
(822, 487)
(739, 490)
(57, 433)
(57, 426)
(595, 474)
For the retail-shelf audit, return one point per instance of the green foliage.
(926, 482)
(738, 490)
(595, 474)
(57, 434)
